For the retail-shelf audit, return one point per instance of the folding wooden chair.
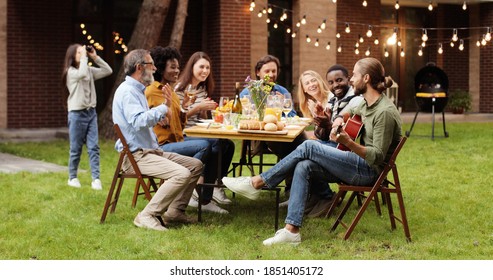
(120, 176)
(383, 185)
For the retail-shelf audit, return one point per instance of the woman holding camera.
(78, 84)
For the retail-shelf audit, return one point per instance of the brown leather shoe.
(178, 217)
(321, 208)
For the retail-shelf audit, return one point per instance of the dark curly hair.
(160, 56)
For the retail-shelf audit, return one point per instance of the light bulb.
(288, 30)
(397, 5)
(298, 24)
(430, 7)
(323, 25)
(478, 43)
(267, 20)
(339, 49)
(328, 46)
(425, 36)
(269, 10)
(440, 49)
(356, 45)
(361, 39)
(452, 44)
(275, 25)
(316, 43)
(356, 51)
(334, 1)
(319, 30)
(420, 52)
(293, 35)
(402, 52)
(308, 40)
(488, 34)
(369, 33)
(303, 20)
(423, 44)
(367, 53)
(461, 45)
(264, 11)
(347, 29)
(386, 53)
(454, 36)
(259, 14)
(483, 41)
(365, 3)
(376, 42)
(338, 35)
(464, 6)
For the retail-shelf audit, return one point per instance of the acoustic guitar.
(352, 128)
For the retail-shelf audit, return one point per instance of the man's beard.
(359, 90)
(147, 77)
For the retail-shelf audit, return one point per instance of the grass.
(446, 185)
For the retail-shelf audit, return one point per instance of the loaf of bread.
(270, 127)
(249, 125)
(270, 118)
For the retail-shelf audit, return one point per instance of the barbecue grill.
(431, 86)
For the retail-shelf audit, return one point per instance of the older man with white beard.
(136, 120)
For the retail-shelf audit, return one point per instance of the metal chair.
(120, 176)
(383, 185)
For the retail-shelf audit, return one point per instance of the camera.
(89, 49)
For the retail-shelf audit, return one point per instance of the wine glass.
(287, 106)
(223, 104)
(190, 91)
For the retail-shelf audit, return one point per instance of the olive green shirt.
(381, 130)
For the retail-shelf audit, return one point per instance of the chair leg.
(339, 197)
(108, 200)
(117, 194)
(343, 211)
(359, 214)
(278, 200)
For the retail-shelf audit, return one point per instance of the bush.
(459, 100)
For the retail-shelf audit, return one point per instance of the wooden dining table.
(286, 135)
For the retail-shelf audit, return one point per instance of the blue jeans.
(313, 157)
(83, 128)
(193, 147)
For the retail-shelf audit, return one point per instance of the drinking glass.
(190, 91)
(287, 106)
(224, 105)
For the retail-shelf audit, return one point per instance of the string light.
(369, 33)
(338, 35)
(483, 41)
(368, 52)
(364, 3)
(356, 50)
(402, 52)
(275, 25)
(323, 25)
(267, 20)
(430, 7)
(488, 34)
(397, 5)
(328, 46)
(454, 36)
(347, 29)
(308, 40)
(399, 43)
(386, 53)
(259, 14)
(319, 29)
(461, 45)
(440, 49)
(269, 10)
(252, 5)
(424, 37)
(464, 6)
(393, 39)
(356, 45)
(264, 11)
(452, 44)
(423, 44)
(303, 20)
(316, 43)
(288, 30)
(478, 43)
(293, 35)
(334, 1)
(361, 39)
(420, 52)
(339, 49)
(298, 24)
(376, 42)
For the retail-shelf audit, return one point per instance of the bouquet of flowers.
(259, 90)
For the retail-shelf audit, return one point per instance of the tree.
(179, 24)
(145, 35)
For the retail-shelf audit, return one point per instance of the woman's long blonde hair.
(304, 97)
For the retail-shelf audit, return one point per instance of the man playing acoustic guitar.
(361, 166)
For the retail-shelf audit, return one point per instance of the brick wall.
(486, 78)
(37, 35)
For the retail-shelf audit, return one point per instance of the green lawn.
(447, 187)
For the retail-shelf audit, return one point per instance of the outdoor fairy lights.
(277, 16)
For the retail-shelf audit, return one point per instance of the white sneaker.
(193, 202)
(151, 222)
(212, 207)
(74, 182)
(242, 186)
(96, 185)
(220, 197)
(284, 236)
(284, 204)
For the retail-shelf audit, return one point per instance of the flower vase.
(261, 113)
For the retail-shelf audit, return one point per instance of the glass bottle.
(237, 107)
